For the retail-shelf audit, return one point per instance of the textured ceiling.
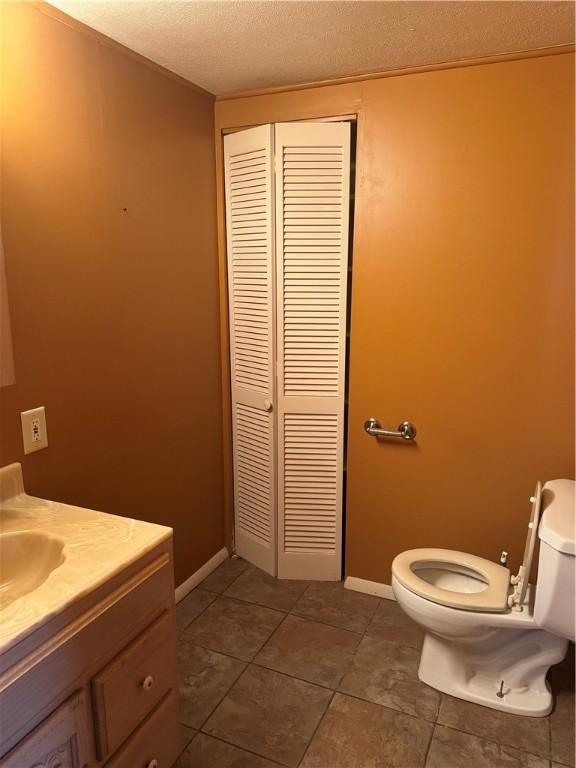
(228, 45)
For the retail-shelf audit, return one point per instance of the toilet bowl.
(490, 636)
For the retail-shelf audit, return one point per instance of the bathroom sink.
(27, 558)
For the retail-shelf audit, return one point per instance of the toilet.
(490, 636)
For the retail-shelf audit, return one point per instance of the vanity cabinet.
(62, 739)
(97, 686)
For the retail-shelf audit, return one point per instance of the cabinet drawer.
(128, 688)
(156, 744)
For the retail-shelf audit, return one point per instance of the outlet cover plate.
(34, 434)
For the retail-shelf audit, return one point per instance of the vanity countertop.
(97, 546)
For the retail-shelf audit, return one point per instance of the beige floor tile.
(454, 749)
(358, 734)
(330, 603)
(206, 752)
(255, 586)
(204, 677)
(530, 734)
(391, 623)
(192, 606)
(270, 714)
(234, 627)
(314, 652)
(220, 579)
(387, 673)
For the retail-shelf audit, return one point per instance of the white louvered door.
(312, 216)
(249, 173)
(287, 245)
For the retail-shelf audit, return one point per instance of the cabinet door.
(60, 741)
(312, 215)
(248, 170)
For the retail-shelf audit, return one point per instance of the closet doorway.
(289, 212)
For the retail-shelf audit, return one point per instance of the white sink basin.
(27, 558)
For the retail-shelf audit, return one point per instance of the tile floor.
(309, 674)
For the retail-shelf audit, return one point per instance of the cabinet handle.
(152, 764)
(147, 683)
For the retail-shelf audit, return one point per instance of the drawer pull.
(147, 683)
(152, 764)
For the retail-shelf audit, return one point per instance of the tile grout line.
(243, 749)
(183, 629)
(294, 677)
(221, 699)
(265, 643)
(315, 731)
(389, 709)
(264, 605)
(185, 747)
(249, 602)
(327, 624)
(430, 740)
(522, 750)
(234, 580)
(254, 602)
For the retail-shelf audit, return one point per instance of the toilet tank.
(555, 590)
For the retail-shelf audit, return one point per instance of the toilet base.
(474, 669)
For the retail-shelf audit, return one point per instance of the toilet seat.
(455, 579)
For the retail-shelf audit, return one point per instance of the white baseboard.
(369, 587)
(205, 570)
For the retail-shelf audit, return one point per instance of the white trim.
(369, 587)
(205, 570)
(330, 119)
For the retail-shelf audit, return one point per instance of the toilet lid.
(524, 573)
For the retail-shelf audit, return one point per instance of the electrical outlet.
(34, 434)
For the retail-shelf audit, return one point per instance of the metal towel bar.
(406, 430)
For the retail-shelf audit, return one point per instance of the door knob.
(406, 430)
(268, 405)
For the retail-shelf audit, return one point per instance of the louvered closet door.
(248, 161)
(312, 213)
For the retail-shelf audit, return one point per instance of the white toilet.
(490, 636)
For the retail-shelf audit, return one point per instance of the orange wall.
(462, 298)
(114, 313)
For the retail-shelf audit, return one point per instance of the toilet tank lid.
(558, 518)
